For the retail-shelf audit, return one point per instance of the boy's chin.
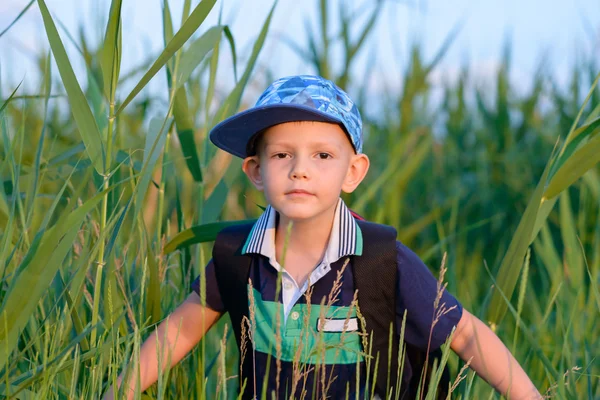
(300, 213)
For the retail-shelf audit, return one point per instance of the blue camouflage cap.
(293, 98)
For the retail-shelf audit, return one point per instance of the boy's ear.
(251, 167)
(357, 170)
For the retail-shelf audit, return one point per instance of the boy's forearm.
(148, 362)
(491, 359)
(175, 336)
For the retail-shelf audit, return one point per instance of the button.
(287, 286)
(295, 315)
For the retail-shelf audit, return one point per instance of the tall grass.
(100, 205)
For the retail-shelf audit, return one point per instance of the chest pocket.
(303, 338)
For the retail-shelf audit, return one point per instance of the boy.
(302, 146)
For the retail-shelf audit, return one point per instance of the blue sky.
(558, 29)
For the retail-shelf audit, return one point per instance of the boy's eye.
(280, 156)
(324, 156)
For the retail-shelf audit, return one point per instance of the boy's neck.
(310, 237)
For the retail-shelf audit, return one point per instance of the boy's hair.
(254, 143)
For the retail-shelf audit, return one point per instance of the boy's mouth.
(299, 192)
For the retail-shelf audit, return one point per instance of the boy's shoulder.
(404, 252)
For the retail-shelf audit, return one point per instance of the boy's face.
(302, 167)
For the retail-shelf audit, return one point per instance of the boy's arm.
(491, 359)
(194, 319)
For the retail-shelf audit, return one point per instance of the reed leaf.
(183, 34)
(190, 59)
(232, 103)
(30, 284)
(11, 97)
(212, 207)
(199, 234)
(510, 269)
(198, 49)
(231, 41)
(535, 346)
(463, 190)
(111, 51)
(392, 171)
(579, 136)
(33, 187)
(153, 294)
(17, 18)
(155, 141)
(167, 37)
(185, 133)
(80, 109)
(74, 292)
(572, 257)
(574, 167)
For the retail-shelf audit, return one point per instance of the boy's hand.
(177, 334)
(491, 359)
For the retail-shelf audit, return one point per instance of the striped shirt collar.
(345, 238)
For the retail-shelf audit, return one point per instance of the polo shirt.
(325, 341)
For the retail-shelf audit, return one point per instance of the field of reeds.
(110, 198)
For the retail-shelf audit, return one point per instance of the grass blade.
(167, 37)
(194, 55)
(65, 155)
(572, 258)
(80, 109)
(510, 269)
(411, 166)
(588, 130)
(153, 290)
(185, 133)
(190, 59)
(533, 342)
(11, 97)
(232, 103)
(111, 51)
(187, 29)
(29, 285)
(213, 206)
(23, 11)
(578, 164)
(155, 141)
(231, 41)
(33, 188)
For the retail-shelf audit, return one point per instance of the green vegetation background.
(102, 187)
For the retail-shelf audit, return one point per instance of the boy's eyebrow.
(277, 144)
(335, 147)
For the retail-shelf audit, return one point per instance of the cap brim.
(233, 133)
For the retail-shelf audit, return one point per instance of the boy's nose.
(299, 171)
(299, 175)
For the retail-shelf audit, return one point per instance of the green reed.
(103, 196)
